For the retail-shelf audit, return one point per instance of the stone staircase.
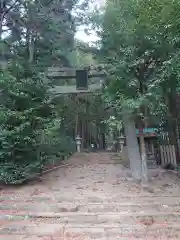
(92, 198)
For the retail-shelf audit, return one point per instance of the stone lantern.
(121, 141)
(78, 143)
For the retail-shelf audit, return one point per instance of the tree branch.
(4, 13)
(11, 7)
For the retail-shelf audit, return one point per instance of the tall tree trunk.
(144, 171)
(1, 54)
(76, 124)
(172, 118)
(30, 35)
(2, 14)
(1, 22)
(132, 147)
(31, 50)
(1, 31)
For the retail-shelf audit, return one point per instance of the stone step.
(129, 232)
(108, 161)
(56, 237)
(125, 230)
(97, 218)
(25, 237)
(90, 207)
(17, 237)
(119, 199)
(95, 221)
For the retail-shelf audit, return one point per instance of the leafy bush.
(54, 144)
(28, 136)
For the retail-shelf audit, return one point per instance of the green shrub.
(29, 136)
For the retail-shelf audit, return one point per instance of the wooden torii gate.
(76, 81)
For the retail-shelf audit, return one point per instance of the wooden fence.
(168, 155)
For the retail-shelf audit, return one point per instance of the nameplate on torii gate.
(81, 75)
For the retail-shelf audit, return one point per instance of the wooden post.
(82, 133)
(152, 147)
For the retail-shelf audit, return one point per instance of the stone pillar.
(78, 143)
(121, 140)
(110, 141)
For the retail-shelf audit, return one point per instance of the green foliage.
(140, 48)
(29, 137)
(35, 128)
(55, 143)
(114, 124)
(23, 114)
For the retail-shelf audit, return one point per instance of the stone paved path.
(92, 198)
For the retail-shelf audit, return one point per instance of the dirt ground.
(92, 198)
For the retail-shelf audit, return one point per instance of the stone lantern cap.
(78, 139)
(121, 139)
